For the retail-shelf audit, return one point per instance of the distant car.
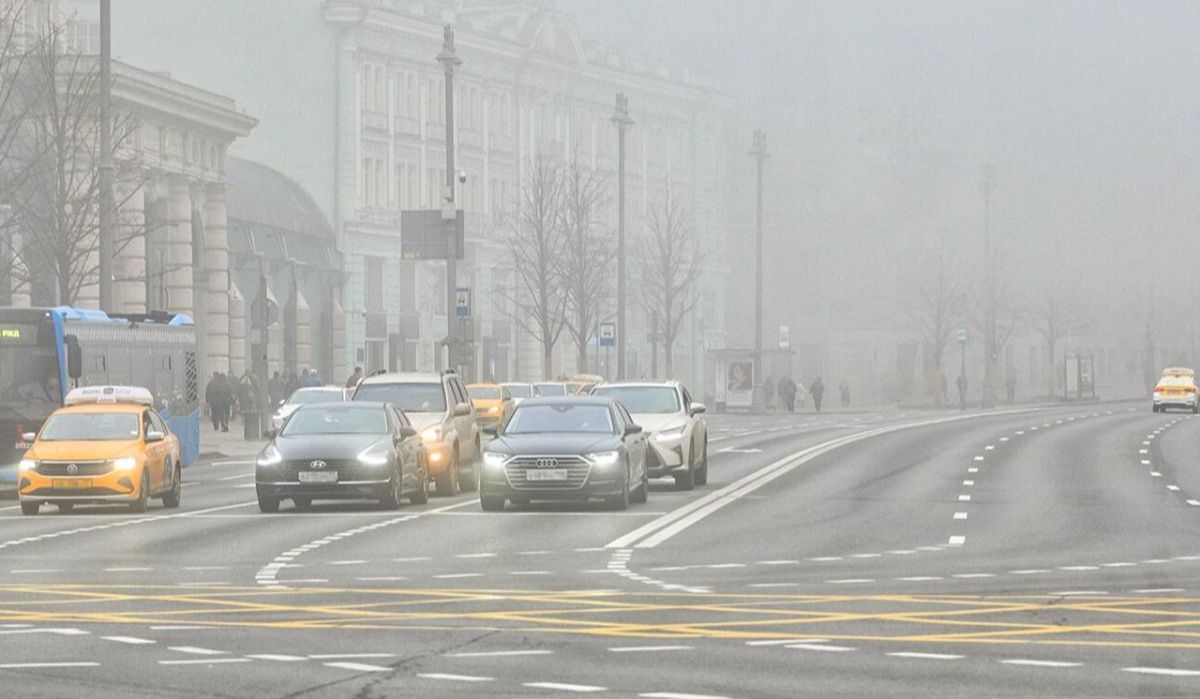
(359, 450)
(674, 425)
(1176, 389)
(440, 408)
(491, 401)
(571, 448)
(521, 391)
(311, 394)
(552, 388)
(582, 384)
(106, 445)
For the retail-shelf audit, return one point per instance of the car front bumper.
(344, 490)
(115, 486)
(495, 482)
(664, 457)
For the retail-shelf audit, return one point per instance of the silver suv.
(439, 408)
(674, 426)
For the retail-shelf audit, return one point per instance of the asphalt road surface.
(1018, 552)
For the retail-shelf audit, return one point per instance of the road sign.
(261, 319)
(608, 334)
(423, 234)
(462, 302)
(961, 336)
(785, 337)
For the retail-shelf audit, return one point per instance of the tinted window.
(91, 427)
(316, 396)
(642, 399)
(314, 420)
(409, 397)
(484, 392)
(565, 417)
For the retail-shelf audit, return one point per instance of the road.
(1027, 551)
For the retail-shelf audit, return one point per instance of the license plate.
(73, 483)
(550, 474)
(318, 476)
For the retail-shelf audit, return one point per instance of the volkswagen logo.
(546, 463)
(72, 469)
(318, 464)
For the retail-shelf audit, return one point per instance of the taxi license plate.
(550, 474)
(318, 476)
(72, 483)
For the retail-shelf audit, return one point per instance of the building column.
(216, 258)
(237, 331)
(129, 290)
(199, 238)
(177, 239)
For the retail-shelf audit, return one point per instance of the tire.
(620, 502)
(267, 505)
(302, 503)
(30, 508)
(172, 498)
(391, 501)
(702, 472)
(520, 501)
(684, 480)
(468, 484)
(143, 500)
(491, 503)
(421, 495)
(447, 481)
(66, 506)
(642, 494)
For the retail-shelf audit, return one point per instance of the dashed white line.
(1030, 571)
(500, 653)
(646, 649)
(964, 498)
(205, 661)
(197, 651)
(925, 656)
(784, 641)
(359, 667)
(677, 695)
(33, 666)
(1157, 590)
(851, 581)
(581, 688)
(452, 678)
(960, 515)
(351, 656)
(131, 640)
(821, 647)
(957, 540)
(1040, 663)
(449, 576)
(1171, 672)
(279, 658)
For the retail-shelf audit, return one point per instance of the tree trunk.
(547, 360)
(581, 359)
(1051, 374)
(935, 380)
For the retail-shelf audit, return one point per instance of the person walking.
(291, 383)
(247, 392)
(1010, 384)
(961, 382)
(309, 379)
(212, 398)
(224, 401)
(816, 389)
(768, 393)
(844, 390)
(787, 394)
(275, 389)
(355, 377)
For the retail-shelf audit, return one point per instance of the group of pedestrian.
(224, 394)
(790, 393)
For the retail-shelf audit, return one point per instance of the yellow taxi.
(1176, 389)
(105, 445)
(493, 403)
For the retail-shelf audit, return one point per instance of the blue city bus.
(44, 352)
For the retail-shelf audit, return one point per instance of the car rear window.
(642, 399)
(409, 397)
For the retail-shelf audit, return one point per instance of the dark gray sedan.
(570, 448)
(341, 451)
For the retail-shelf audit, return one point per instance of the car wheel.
(620, 502)
(643, 492)
(30, 508)
(421, 495)
(172, 498)
(447, 480)
(491, 503)
(520, 501)
(684, 480)
(143, 500)
(391, 501)
(302, 503)
(267, 504)
(66, 506)
(702, 471)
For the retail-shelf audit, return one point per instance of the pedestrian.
(275, 389)
(247, 394)
(1011, 385)
(844, 390)
(212, 398)
(768, 392)
(787, 394)
(290, 385)
(355, 377)
(961, 382)
(801, 395)
(309, 378)
(224, 402)
(817, 390)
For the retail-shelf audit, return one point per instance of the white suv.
(439, 408)
(674, 426)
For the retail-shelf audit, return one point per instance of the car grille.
(577, 473)
(347, 470)
(83, 468)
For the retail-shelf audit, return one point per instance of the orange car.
(493, 403)
(106, 445)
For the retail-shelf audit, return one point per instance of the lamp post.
(450, 62)
(759, 153)
(105, 174)
(621, 120)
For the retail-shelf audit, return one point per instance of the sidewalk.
(218, 445)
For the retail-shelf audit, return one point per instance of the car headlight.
(27, 465)
(269, 456)
(669, 435)
(432, 434)
(125, 463)
(375, 455)
(495, 409)
(604, 458)
(493, 459)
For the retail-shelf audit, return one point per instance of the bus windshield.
(28, 366)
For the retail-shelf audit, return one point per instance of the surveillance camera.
(462, 176)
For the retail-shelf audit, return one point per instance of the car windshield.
(91, 427)
(484, 392)
(519, 390)
(551, 389)
(561, 417)
(325, 395)
(642, 399)
(409, 397)
(316, 420)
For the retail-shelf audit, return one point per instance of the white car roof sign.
(109, 394)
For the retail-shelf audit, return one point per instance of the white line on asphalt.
(529, 572)
(347, 563)
(279, 658)
(197, 651)
(1004, 439)
(203, 568)
(820, 647)
(1172, 488)
(204, 661)
(968, 483)
(960, 515)
(566, 687)
(182, 627)
(237, 477)
(784, 641)
(925, 656)
(825, 559)
(973, 470)
(1118, 564)
(1156, 590)
(475, 555)
(234, 463)
(957, 540)
(131, 640)
(964, 498)
(1172, 672)
(29, 571)
(677, 695)
(975, 575)
(979, 458)
(32, 666)
(919, 578)
(646, 649)
(989, 447)
(1156, 474)
(851, 581)
(351, 656)
(1080, 593)
(499, 653)
(1145, 462)
(1077, 568)
(1040, 663)
(779, 584)
(776, 563)
(382, 578)
(1031, 571)
(1194, 503)
(126, 570)
(865, 555)
(450, 576)
(359, 667)
(412, 559)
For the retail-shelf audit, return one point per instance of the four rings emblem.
(546, 463)
(72, 469)
(318, 464)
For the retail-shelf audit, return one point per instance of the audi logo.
(546, 463)
(73, 469)
(318, 464)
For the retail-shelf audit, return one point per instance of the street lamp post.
(105, 174)
(990, 349)
(621, 119)
(759, 153)
(450, 62)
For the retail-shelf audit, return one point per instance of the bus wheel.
(30, 508)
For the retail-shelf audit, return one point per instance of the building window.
(373, 290)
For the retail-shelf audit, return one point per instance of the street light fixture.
(621, 120)
(758, 152)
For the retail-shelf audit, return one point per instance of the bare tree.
(15, 107)
(938, 307)
(1055, 313)
(669, 270)
(589, 255)
(537, 247)
(997, 320)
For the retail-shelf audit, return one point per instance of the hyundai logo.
(318, 464)
(73, 469)
(546, 463)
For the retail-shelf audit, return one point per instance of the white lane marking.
(581, 688)
(1194, 503)
(450, 576)
(346, 563)
(925, 656)
(37, 665)
(779, 584)
(1030, 571)
(784, 641)
(499, 653)
(1040, 663)
(1118, 564)
(743, 565)
(475, 555)
(203, 568)
(990, 447)
(197, 651)
(1080, 593)
(646, 649)
(821, 647)
(1143, 451)
(1156, 474)
(1157, 590)
(530, 553)
(1172, 488)
(957, 540)
(851, 581)
(205, 661)
(131, 640)
(234, 463)
(279, 658)
(776, 563)
(968, 483)
(127, 570)
(677, 695)
(351, 656)
(825, 559)
(412, 559)
(1171, 672)
(1145, 462)
(964, 498)
(979, 458)
(1077, 568)
(382, 578)
(359, 667)
(1020, 431)
(56, 632)
(919, 578)
(973, 470)
(453, 677)
(237, 477)
(1004, 439)
(901, 552)
(865, 555)
(960, 515)
(184, 627)
(529, 572)
(975, 575)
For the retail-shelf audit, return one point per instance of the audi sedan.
(328, 451)
(570, 448)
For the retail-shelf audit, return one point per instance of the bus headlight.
(125, 463)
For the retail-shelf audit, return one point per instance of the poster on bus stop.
(738, 381)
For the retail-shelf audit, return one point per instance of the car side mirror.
(271, 433)
(697, 408)
(28, 436)
(633, 429)
(155, 436)
(491, 430)
(406, 432)
(462, 410)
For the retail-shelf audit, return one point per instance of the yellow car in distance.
(106, 445)
(493, 403)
